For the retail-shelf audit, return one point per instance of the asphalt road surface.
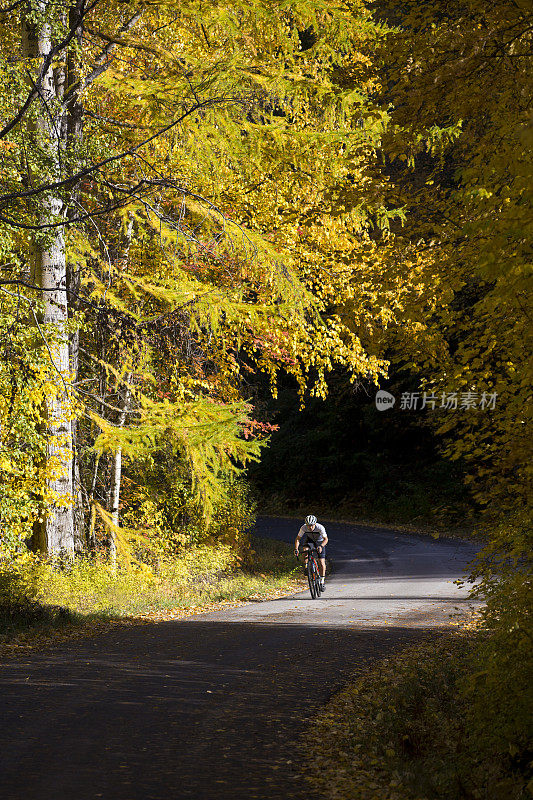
(215, 707)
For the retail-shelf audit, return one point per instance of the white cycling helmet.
(310, 520)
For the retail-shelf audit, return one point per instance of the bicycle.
(313, 575)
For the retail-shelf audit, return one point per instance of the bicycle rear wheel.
(311, 578)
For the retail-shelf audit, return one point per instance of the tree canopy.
(190, 196)
(198, 194)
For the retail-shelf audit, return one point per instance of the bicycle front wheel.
(316, 576)
(311, 578)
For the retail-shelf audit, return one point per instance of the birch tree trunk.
(73, 130)
(116, 475)
(116, 465)
(56, 534)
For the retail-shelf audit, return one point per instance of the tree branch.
(100, 63)
(47, 60)
(112, 159)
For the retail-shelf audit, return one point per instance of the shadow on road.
(194, 709)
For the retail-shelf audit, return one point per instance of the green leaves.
(459, 124)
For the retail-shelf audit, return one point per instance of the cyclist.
(312, 531)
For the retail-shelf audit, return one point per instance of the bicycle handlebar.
(311, 548)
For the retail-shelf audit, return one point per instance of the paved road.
(210, 707)
(380, 577)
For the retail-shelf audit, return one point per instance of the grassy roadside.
(91, 597)
(409, 730)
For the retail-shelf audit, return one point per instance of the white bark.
(116, 475)
(58, 522)
(57, 533)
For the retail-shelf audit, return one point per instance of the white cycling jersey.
(317, 535)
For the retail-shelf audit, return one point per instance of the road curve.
(380, 577)
(211, 707)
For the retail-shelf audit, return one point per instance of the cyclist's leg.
(322, 570)
(303, 561)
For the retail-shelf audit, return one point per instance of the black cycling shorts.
(322, 554)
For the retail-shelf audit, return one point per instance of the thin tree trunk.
(116, 475)
(116, 464)
(79, 507)
(91, 538)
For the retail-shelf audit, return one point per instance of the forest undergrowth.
(449, 719)
(40, 603)
(418, 727)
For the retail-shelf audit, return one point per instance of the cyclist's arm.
(299, 536)
(324, 541)
(324, 535)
